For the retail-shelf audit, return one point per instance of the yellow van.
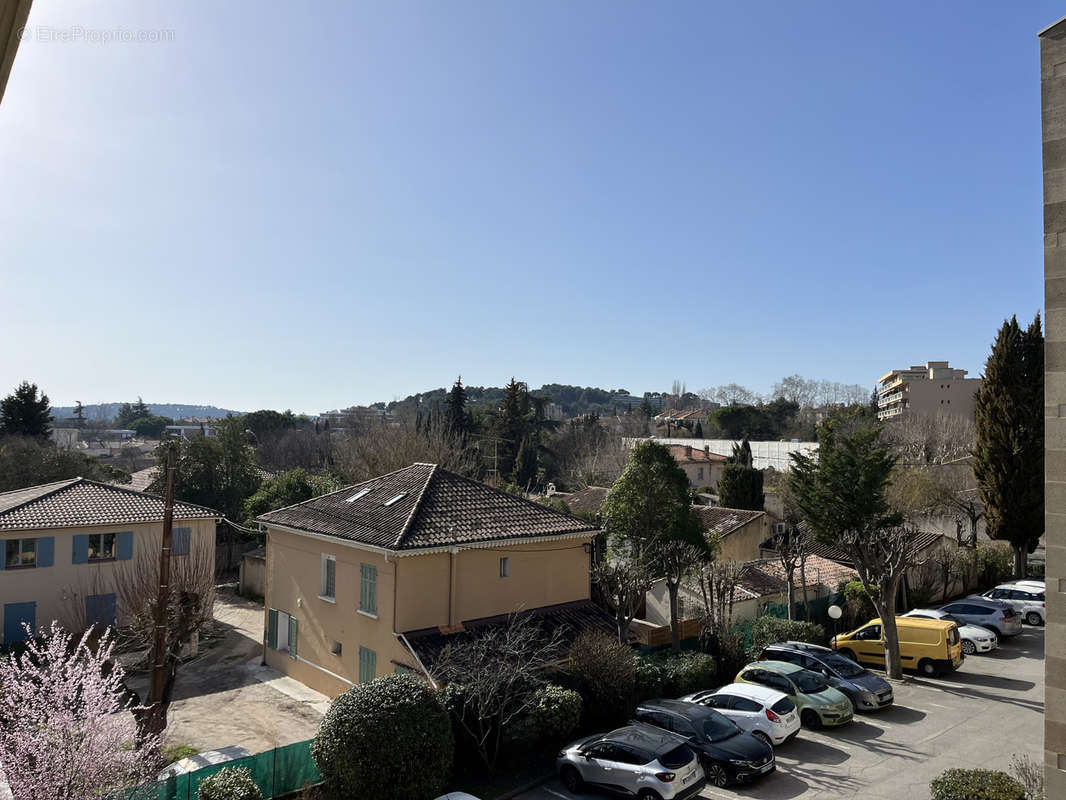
(931, 646)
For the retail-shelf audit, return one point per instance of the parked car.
(996, 615)
(818, 703)
(728, 754)
(975, 639)
(457, 796)
(931, 646)
(637, 760)
(866, 691)
(759, 710)
(1025, 599)
(1039, 585)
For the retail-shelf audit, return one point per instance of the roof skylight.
(397, 498)
(357, 495)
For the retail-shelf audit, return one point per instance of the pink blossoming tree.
(65, 728)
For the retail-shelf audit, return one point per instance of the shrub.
(605, 671)
(689, 672)
(390, 739)
(767, 630)
(553, 714)
(229, 783)
(176, 752)
(995, 563)
(674, 675)
(975, 784)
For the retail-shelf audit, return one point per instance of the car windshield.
(716, 728)
(844, 667)
(808, 682)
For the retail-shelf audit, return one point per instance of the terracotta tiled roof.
(589, 499)
(140, 480)
(724, 521)
(569, 618)
(424, 506)
(80, 502)
(922, 541)
(695, 455)
(767, 576)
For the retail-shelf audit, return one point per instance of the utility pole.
(157, 715)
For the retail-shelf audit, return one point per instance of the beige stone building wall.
(413, 592)
(743, 543)
(60, 590)
(1053, 108)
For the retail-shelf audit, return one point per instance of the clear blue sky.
(314, 205)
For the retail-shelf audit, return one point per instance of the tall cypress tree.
(511, 426)
(1009, 456)
(23, 413)
(457, 419)
(741, 485)
(525, 465)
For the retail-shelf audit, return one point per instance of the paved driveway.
(979, 716)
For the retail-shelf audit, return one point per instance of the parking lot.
(979, 716)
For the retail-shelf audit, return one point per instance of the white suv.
(1025, 598)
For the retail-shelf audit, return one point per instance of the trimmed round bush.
(389, 739)
(975, 784)
(553, 714)
(229, 783)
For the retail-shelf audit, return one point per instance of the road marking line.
(549, 790)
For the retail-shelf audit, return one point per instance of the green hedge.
(975, 784)
(768, 630)
(389, 739)
(674, 675)
(229, 783)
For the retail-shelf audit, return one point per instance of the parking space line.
(549, 790)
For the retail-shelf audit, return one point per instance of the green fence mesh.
(277, 772)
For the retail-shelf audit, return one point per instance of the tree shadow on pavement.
(811, 751)
(900, 714)
(779, 786)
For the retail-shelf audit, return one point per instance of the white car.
(1040, 586)
(975, 639)
(1024, 598)
(765, 712)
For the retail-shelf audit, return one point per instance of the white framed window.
(329, 577)
(505, 567)
(102, 546)
(20, 553)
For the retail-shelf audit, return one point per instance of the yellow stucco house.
(64, 544)
(375, 578)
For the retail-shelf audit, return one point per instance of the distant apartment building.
(930, 389)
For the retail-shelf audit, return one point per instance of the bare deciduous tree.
(718, 582)
(623, 580)
(374, 448)
(135, 585)
(493, 673)
(930, 438)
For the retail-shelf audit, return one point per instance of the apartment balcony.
(888, 399)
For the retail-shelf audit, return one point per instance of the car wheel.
(968, 647)
(572, 780)
(716, 774)
(850, 654)
(763, 737)
(810, 719)
(1033, 618)
(927, 668)
(649, 794)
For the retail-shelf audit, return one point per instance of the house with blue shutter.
(65, 545)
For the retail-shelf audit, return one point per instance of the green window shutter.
(293, 636)
(272, 629)
(180, 539)
(368, 589)
(368, 664)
